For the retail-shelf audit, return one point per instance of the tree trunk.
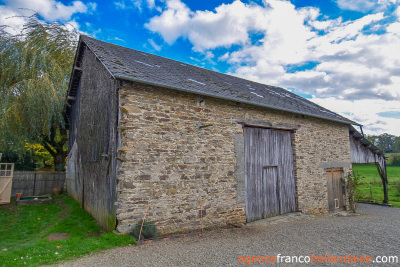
(55, 146)
(59, 161)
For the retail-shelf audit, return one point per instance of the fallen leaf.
(58, 246)
(4, 249)
(38, 219)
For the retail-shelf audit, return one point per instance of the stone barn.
(193, 146)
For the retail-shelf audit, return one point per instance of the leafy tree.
(41, 156)
(386, 142)
(23, 158)
(397, 145)
(395, 160)
(35, 67)
(372, 139)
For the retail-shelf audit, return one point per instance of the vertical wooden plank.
(271, 192)
(286, 182)
(257, 159)
(270, 174)
(329, 182)
(249, 181)
(254, 148)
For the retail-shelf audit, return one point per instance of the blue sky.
(341, 54)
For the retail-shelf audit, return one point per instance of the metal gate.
(270, 184)
(335, 188)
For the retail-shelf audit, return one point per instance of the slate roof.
(128, 64)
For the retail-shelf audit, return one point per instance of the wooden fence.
(36, 183)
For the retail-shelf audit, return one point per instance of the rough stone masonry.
(182, 153)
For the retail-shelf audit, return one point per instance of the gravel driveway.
(375, 232)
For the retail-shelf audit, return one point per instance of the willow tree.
(35, 67)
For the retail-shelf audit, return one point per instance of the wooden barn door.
(270, 185)
(335, 189)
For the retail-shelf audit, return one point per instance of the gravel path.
(375, 232)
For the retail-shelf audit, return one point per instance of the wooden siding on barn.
(361, 152)
(92, 167)
(270, 184)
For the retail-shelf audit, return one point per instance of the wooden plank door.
(283, 152)
(254, 200)
(6, 175)
(335, 189)
(270, 185)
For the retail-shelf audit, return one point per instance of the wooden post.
(140, 233)
(34, 184)
(383, 175)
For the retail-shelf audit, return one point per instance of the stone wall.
(181, 151)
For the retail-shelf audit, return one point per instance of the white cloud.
(139, 4)
(209, 55)
(14, 12)
(50, 9)
(171, 23)
(72, 25)
(154, 45)
(348, 64)
(12, 19)
(364, 112)
(224, 57)
(120, 5)
(365, 5)
(228, 25)
(91, 7)
(356, 5)
(151, 4)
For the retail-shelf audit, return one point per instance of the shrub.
(398, 188)
(395, 160)
(23, 160)
(352, 183)
(149, 230)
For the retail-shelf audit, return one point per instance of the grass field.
(23, 232)
(371, 184)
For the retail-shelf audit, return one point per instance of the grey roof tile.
(128, 64)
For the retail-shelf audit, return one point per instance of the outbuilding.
(195, 147)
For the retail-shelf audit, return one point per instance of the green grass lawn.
(371, 181)
(24, 228)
